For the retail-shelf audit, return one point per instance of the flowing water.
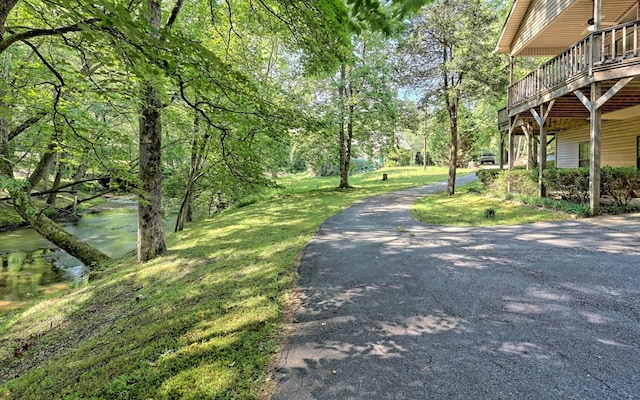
(32, 266)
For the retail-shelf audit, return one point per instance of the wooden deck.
(606, 56)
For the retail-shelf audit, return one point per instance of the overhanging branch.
(25, 125)
(16, 37)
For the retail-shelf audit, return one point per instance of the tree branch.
(45, 62)
(15, 37)
(60, 188)
(174, 14)
(25, 125)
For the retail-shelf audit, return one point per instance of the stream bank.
(31, 266)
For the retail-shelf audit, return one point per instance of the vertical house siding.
(539, 15)
(618, 144)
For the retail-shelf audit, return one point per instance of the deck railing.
(599, 50)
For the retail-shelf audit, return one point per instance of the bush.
(504, 182)
(581, 210)
(297, 165)
(398, 158)
(620, 184)
(487, 176)
(490, 213)
(570, 184)
(521, 181)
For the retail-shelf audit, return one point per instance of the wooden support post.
(528, 132)
(541, 119)
(594, 156)
(510, 158)
(512, 63)
(542, 161)
(502, 150)
(512, 127)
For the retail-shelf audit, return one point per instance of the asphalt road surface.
(394, 309)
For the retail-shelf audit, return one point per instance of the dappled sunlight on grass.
(203, 381)
(398, 178)
(467, 208)
(23, 331)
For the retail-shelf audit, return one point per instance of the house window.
(583, 154)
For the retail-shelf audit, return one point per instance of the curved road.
(394, 309)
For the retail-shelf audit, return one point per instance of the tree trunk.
(51, 199)
(5, 8)
(453, 146)
(345, 142)
(80, 173)
(424, 159)
(6, 169)
(184, 215)
(87, 254)
(42, 168)
(344, 167)
(349, 138)
(150, 234)
(197, 155)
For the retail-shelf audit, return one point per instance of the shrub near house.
(620, 185)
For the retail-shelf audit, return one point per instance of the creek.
(32, 266)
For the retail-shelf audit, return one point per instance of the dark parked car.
(487, 158)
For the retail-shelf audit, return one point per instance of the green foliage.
(449, 62)
(370, 104)
(229, 62)
(504, 182)
(488, 176)
(398, 158)
(621, 184)
(9, 219)
(578, 209)
(386, 16)
(317, 149)
(570, 184)
(489, 213)
(520, 181)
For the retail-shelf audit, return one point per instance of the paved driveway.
(393, 309)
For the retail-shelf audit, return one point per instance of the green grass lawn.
(205, 320)
(469, 208)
